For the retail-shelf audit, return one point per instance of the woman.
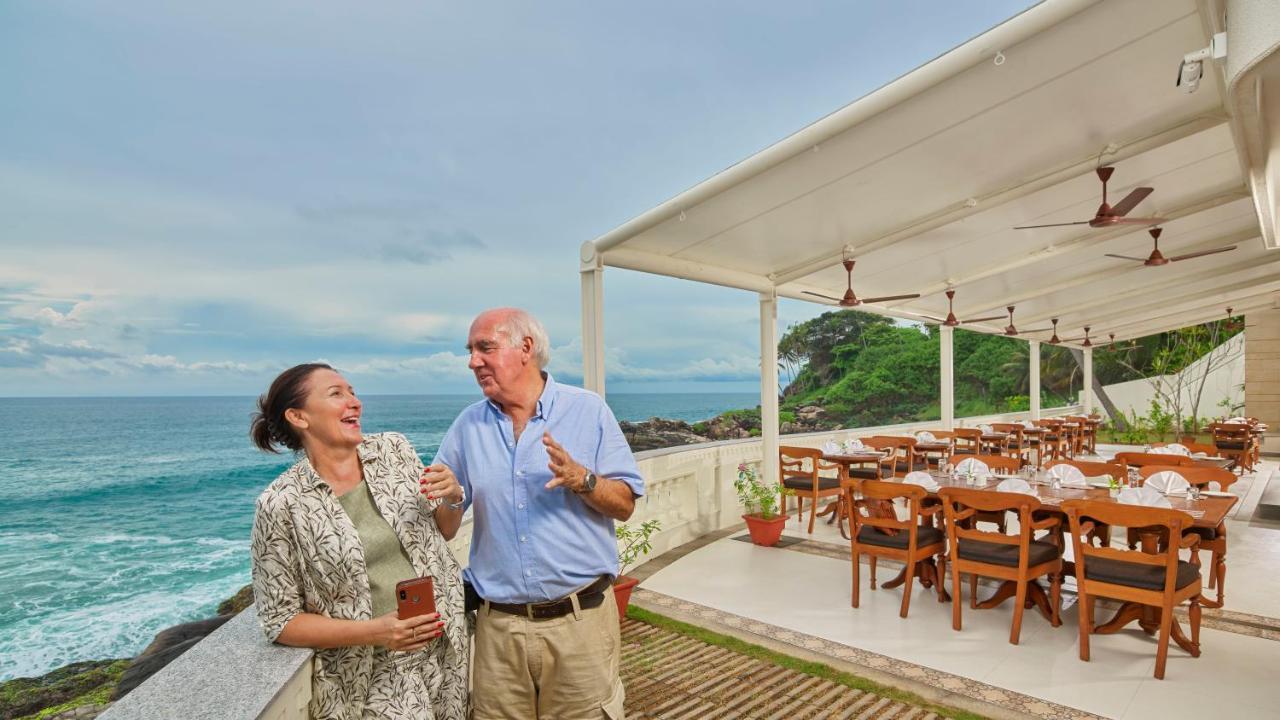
(331, 538)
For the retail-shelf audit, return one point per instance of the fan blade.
(825, 297)
(983, 319)
(1130, 201)
(1033, 227)
(1024, 332)
(891, 297)
(1202, 253)
(1112, 220)
(930, 317)
(1126, 257)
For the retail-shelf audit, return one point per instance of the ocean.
(122, 516)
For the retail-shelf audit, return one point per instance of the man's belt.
(591, 596)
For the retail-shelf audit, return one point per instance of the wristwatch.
(588, 483)
(458, 505)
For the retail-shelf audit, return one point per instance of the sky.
(195, 196)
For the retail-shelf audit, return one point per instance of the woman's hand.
(437, 481)
(409, 634)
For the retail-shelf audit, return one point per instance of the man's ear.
(526, 347)
(296, 418)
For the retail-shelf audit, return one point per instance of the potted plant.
(635, 544)
(761, 503)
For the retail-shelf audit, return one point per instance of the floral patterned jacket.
(307, 557)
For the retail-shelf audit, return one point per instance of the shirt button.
(522, 538)
(520, 506)
(527, 573)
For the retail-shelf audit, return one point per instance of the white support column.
(769, 386)
(947, 383)
(1088, 380)
(1033, 384)
(592, 271)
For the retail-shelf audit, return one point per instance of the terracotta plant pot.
(622, 593)
(765, 532)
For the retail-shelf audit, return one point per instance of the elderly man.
(546, 470)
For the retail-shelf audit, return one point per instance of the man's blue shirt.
(532, 544)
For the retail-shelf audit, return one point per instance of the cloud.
(31, 352)
(436, 246)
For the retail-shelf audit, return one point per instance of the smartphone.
(415, 597)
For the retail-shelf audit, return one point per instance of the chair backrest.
(1085, 515)
(1094, 469)
(874, 508)
(962, 504)
(999, 463)
(791, 460)
(1014, 429)
(880, 442)
(1229, 431)
(1200, 475)
(1139, 460)
(1189, 442)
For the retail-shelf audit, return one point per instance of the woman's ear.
(296, 418)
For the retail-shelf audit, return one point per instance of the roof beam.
(1207, 201)
(1242, 307)
(961, 209)
(1266, 283)
(685, 269)
(1177, 319)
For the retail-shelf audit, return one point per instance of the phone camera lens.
(402, 595)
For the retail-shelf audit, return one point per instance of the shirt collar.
(311, 479)
(546, 401)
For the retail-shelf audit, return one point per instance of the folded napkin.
(1179, 448)
(1166, 450)
(986, 429)
(1144, 495)
(926, 436)
(1095, 481)
(923, 479)
(1168, 482)
(1015, 485)
(1070, 475)
(972, 466)
(853, 444)
(1028, 424)
(829, 447)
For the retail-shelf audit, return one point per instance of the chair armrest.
(1191, 541)
(1047, 523)
(930, 510)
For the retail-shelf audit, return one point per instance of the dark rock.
(657, 433)
(25, 696)
(234, 604)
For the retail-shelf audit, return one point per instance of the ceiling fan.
(1011, 330)
(851, 300)
(1232, 325)
(1109, 215)
(1111, 343)
(951, 320)
(1155, 259)
(1086, 343)
(1055, 339)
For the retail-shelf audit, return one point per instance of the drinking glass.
(1193, 492)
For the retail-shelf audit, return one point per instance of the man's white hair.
(518, 325)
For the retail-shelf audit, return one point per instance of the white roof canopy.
(922, 181)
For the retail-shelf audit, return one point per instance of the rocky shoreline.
(656, 433)
(83, 690)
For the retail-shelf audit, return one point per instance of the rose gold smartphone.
(415, 597)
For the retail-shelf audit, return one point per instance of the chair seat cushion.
(1146, 577)
(926, 535)
(805, 482)
(864, 473)
(963, 451)
(1204, 532)
(1229, 444)
(907, 466)
(1007, 555)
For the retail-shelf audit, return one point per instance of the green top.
(384, 558)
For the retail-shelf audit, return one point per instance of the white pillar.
(769, 386)
(592, 271)
(1033, 384)
(947, 384)
(1088, 380)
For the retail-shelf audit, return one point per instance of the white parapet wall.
(235, 673)
(1225, 380)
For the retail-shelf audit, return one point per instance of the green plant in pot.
(761, 503)
(633, 544)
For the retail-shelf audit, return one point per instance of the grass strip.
(816, 669)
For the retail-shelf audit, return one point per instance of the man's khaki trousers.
(564, 668)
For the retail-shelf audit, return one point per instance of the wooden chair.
(1234, 440)
(1093, 469)
(1017, 445)
(997, 463)
(1141, 460)
(877, 532)
(1086, 435)
(798, 467)
(1211, 539)
(1053, 444)
(884, 469)
(907, 460)
(1157, 579)
(1016, 559)
(1189, 442)
(966, 441)
(944, 436)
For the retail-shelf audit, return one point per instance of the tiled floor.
(801, 594)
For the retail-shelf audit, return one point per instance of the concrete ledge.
(233, 673)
